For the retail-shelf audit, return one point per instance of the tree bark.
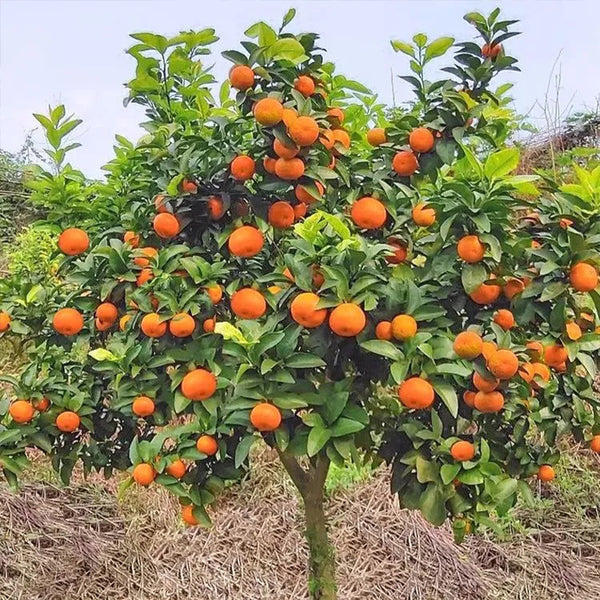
(321, 562)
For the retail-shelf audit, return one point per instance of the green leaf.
(501, 163)
(243, 449)
(438, 47)
(303, 360)
(287, 49)
(448, 395)
(345, 426)
(432, 504)
(426, 470)
(472, 277)
(100, 354)
(383, 348)
(448, 473)
(504, 489)
(317, 438)
(399, 46)
(287, 18)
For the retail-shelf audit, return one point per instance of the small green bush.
(31, 254)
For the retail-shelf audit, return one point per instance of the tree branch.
(298, 475)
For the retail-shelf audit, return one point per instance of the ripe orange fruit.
(347, 319)
(488, 348)
(404, 327)
(160, 201)
(405, 163)
(21, 411)
(289, 275)
(583, 277)
(216, 208)
(491, 51)
(274, 289)
(383, 330)
(513, 287)
(187, 514)
(67, 321)
(199, 384)
(423, 216)
(565, 223)
(215, 293)
(573, 331)
(144, 474)
(304, 131)
(300, 210)
(177, 469)
(102, 325)
(318, 278)
(107, 312)
(182, 325)
(336, 115)
(536, 349)
(483, 384)
(368, 213)
(305, 85)
(143, 406)
(489, 402)
(265, 417)
(4, 321)
(546, 473)
(469, 398)
(41, 404)
(73, 241)
(284, 151)
(268, 111)
(269, 164)
(289, 169)
(595, 444)
(131, 238)
(144, 276)
(462, 451)
(542, 371)
(504, 318)
(327, 138)
(376, 136)
(152, 326)
(341, 137)
(289, 115)
(241, 77)
(555, 355)
(468, 344)
(68, 421)
(421, 140)
(147, 254)
(207, 445)
(208, 325)
(503, 364)
(248, 303)
(486, 293)
(470, 249)
(304, 311)
(245, 241)
(399, 252)
(281, 215)
(416, 392)
(242, 167)
(527, 372)
(304, 196)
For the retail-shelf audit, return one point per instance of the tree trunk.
(321, 562)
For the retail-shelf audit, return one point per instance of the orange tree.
(299, 263)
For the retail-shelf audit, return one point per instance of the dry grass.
(81, 544)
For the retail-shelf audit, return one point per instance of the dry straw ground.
(81, 544)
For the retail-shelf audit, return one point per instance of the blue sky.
(72, 52)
